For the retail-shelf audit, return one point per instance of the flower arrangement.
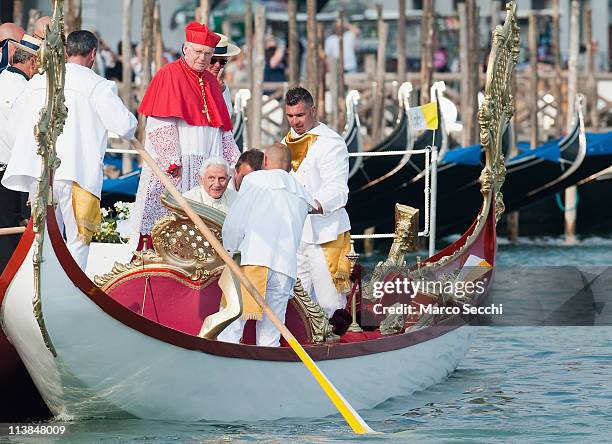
(108, 227)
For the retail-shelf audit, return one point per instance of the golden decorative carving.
(47, 130)
(494, 115)
(393, 323)
(178, 242)
(406, 233)
(320, 328)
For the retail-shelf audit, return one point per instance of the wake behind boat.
(128, 343)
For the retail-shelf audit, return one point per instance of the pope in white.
(213, 190)
(93, 109)
(265, 225)
(320, 164)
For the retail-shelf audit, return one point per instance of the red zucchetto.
(198, 33)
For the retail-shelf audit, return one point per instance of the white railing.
(430, 193)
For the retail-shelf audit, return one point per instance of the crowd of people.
(284, 204)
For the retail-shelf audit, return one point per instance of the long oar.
(353, 419)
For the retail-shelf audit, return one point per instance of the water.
(516, 384)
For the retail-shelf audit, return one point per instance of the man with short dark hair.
(249, 161)
(93, 109)
(320, 164)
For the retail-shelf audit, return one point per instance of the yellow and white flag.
(424, 117)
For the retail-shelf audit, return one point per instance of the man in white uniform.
(8, 32)
(213, 191)
(93, 109)
(320, 164)
(265, 225)
(13, 81)
(187, 122)
(223, 51)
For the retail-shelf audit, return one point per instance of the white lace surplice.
(172, 141)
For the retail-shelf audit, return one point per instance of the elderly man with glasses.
(187, 123)
(223, 52)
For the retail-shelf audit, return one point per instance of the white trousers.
(64, 213)
(313, 271)
(279, 289)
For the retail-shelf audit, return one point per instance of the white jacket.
(93, 109)
(265, 222)
(12, 85)
(324, 174)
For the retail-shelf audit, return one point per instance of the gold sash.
(339, 266)
(86, 209)
(258, 275)
(299, 147)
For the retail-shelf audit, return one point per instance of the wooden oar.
(351, 416)
(11, 230)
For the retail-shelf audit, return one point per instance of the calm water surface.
(516, 384)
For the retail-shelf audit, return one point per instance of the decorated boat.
(128, 341)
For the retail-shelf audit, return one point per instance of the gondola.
(94, 349)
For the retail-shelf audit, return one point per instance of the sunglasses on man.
(218, 60)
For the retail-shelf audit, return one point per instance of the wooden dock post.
(258, 71)
(556, 52)
(146, 42)
(311, 47)
(571, 193)
(320, 84)
(158, 41)
(204, 10)
(339, 79)
(126, 74)
(378, 110)
(469, 65)
(293, 45)
(401, 42)
(248, 33)
(591, 83)
(533, 80)
(427, 33)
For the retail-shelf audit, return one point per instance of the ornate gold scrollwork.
(47, 130)
(320, 328)
(494, 114)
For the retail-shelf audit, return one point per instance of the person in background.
(8, 32)
(212, 190)
(249, 161)
(224, 51)
(265, 225)
(94, 109)
(349, 46)
(13, 81)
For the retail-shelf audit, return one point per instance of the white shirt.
(223, 204)
(349, 43)
(324, 175)
(12, 85)
(93, 109)
(227, 97)
(266, 221)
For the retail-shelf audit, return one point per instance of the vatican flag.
(424, 117)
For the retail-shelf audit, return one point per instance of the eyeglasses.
(220, 61)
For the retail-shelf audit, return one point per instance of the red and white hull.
(110, 361)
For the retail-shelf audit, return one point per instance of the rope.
(560, 203)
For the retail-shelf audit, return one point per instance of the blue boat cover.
(468, 155)
(127, 184)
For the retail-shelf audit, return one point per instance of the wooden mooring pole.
(556, 52)
(311, 47)
(427, 35)
(378, 110)
(126, 75)
(401, 42)
(294, 49)
(571, 193)
(258, 74)
(533, 80)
